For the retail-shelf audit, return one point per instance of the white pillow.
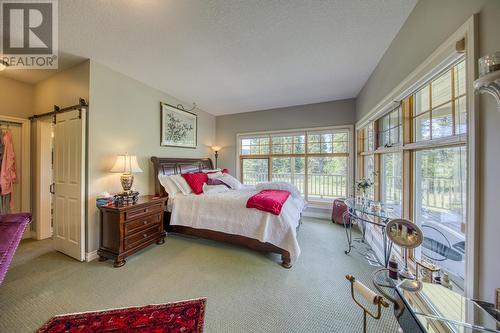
(214, 175)
(215, 188)
(210, 170)
(230, 181)
(294, 191)
(182, 184)
(170, 187)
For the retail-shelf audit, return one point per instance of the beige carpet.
(247, 291)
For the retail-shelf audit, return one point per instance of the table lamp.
(126, 165)
(216, 151)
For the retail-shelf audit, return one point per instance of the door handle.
(52, 188)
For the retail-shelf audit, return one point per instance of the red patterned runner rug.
(185, 317)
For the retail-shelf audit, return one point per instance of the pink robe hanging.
(8, 172)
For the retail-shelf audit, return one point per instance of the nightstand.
(127, 229)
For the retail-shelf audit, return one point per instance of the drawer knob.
(145, 235)
(145, 222)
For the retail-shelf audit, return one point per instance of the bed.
(223, 217)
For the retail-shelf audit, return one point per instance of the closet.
(15, 137)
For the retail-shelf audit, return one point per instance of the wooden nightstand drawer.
(142, 236)
(143, 211)
(144, 223)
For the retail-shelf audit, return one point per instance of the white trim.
(89, 256)
(351, 147)
(473, 196)
(443, 56)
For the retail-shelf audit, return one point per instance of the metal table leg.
(348, 231)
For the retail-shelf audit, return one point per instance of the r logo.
(27, 28)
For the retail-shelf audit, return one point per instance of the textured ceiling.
(233, 56)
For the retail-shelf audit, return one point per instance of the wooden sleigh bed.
(171, 166)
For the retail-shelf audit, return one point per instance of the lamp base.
(127, 180)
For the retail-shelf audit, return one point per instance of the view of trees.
(287, 154)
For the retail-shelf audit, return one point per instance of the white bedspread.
(227, 212)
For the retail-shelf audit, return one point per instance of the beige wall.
(124, 116)
(301, 116)
(430, 24)
(16, 98)
(62, 89)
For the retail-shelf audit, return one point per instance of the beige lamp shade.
(126, 164)
(215, 148)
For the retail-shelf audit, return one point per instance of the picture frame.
(179, 128)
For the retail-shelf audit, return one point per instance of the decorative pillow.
(294, 191)
(230, 181)
(216, 181)
(181, 184)
(170, 187)
(196, 181)
(215, 188)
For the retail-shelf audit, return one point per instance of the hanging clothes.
(8, 171)
(4, 199)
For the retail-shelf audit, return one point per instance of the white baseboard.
(317, 215)
(89, 256)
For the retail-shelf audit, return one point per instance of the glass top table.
(439, 309)
(372, 208)
(372, 212)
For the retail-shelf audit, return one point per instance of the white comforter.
(227, 212)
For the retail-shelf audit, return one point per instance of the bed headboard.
(172, 166)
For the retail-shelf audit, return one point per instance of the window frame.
(349, 154)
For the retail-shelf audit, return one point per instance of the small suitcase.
(338, 212)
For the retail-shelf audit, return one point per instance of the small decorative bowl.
(489, 63)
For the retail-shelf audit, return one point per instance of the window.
(369, 171)
(391, 174)
(440, 203)
(257, 170)
(417, 174)
(440, 106)
(390, 133)
(368, 138)
(316, 161)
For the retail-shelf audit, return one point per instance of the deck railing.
(321, 186)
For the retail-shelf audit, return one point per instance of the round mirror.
(404, 233)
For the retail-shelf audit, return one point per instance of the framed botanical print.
(178, 127)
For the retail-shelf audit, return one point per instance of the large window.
(316, 161)
(420, 165)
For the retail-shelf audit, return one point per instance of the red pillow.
(196, 181)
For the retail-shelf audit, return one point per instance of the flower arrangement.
(364, 184)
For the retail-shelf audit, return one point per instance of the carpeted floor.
(247, 291)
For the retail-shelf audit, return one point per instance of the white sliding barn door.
(69, 179)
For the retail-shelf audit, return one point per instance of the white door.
(69, 180)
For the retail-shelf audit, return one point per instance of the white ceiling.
(233, 56)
